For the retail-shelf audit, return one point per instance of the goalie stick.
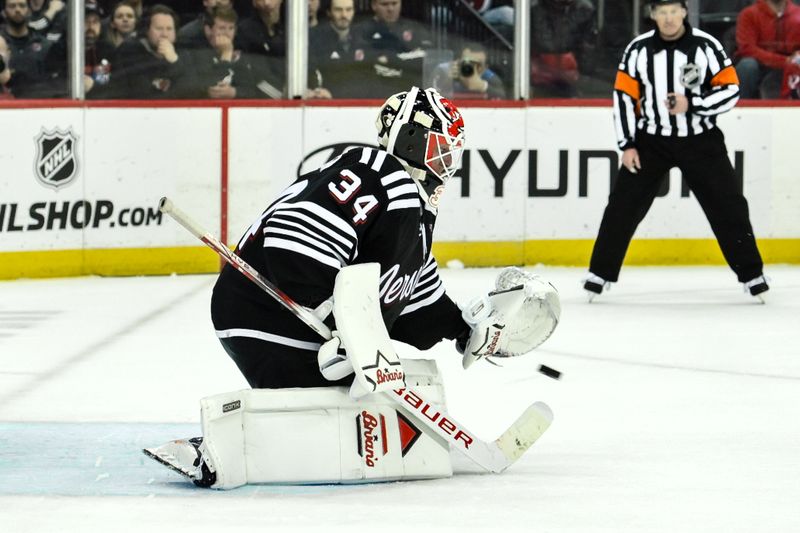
(494, 456)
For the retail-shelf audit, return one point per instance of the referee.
(671, 84)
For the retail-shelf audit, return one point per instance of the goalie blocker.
(313, 436)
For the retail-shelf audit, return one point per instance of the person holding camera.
(671, 84)
(469, 76)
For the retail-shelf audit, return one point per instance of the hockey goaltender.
(344, 253)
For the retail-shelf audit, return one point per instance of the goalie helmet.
(426, 131)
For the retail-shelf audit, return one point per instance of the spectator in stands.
(337, 56)
(122, 25)
(29, 76)
(5, 72)
(219, 70)
(563, 39)
(313, 13)
(97, 62)
(150, 67)
(263, 32)
(767, 38)
(262, 37)
(469, 76)
(193, 34)
(48, 17)
(387, 31)
(397, 45)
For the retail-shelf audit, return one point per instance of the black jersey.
(359, 208)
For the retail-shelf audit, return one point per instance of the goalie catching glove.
(514, 319)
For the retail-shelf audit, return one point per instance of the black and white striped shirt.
(694, 65)
(361, 207)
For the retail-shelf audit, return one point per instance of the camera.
(466, 69)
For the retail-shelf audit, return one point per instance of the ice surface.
(678, 410)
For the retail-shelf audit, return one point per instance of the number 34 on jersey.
(346, 190)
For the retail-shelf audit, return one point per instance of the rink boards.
(80, 185)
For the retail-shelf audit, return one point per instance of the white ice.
(678, 410)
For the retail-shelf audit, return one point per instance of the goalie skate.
(184, 457)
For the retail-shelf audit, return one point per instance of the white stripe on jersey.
(327, 216)
(643, 62)
(424, 303)
(413, 203)
(341, 232)
(269, 337)
(408, 188)
(334, 252)
(394, 176)
(421, 290)
(430, 265)
(365, 153)
(660, 89)
(287, 194)
(428, 281)
(280, 216)
(309, 233)
(713, 64)
(292, 246)
(379, 158)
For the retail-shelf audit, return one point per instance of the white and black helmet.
(425, 130)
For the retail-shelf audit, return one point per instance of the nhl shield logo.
(56, 162)
(690, 75)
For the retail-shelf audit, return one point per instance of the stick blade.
(525, 431)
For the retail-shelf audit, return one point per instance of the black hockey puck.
(550, 372)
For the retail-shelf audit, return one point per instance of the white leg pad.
(321, 435)
(223, 438)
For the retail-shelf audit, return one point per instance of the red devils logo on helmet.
(456, 121)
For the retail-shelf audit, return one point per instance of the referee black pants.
(708, 172)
